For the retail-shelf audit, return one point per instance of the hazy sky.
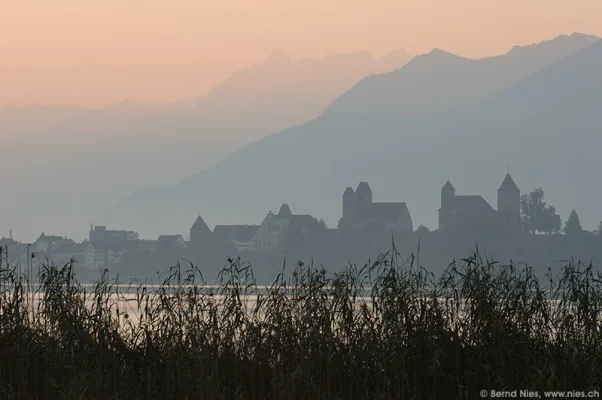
(97, 52)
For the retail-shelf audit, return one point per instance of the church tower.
(508, 202)
(363, 193)
(448, 192)
(349, 204)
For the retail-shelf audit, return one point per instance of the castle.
(467, 213)
(458, 213)
(361, 213)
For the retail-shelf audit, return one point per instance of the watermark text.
(533, 394)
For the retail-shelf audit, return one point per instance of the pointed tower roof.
(363, 187)
(285, 211)
(508, 185)
(448, 186)
(348, 191)
(200, 225)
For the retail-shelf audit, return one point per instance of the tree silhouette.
(573, 225)
(422, 230)
(537, 216)
(599, 229)
(551, 221)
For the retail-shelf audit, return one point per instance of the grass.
(387, 330)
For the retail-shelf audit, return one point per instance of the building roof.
(171, 241)
(508, 185)
(448, 186)
(348, 191)
(166, 238)
(64, 241)
(285, 211)
(243, 233)
(238, 233)
(200, 225)
(221, 232)
(7, 241)
(49, 238)
(301, 221)
(385, 211)
(471, 202)
(363, 187)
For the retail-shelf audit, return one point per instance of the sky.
(97, 52)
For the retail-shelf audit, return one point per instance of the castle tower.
(285, 211)
(199, 231)
(349, 204)
(508, 202)
(448, 192)
(363, 193)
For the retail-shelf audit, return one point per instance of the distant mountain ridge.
(280, 75)
(440, 80)
(96, 157)
(544, 125)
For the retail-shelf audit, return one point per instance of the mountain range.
(536, 110)
(78, 162)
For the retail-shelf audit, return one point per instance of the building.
(106, 247)
(199, 232)
(508, 204)
(170, 243)
(239, 235)
(275, 227)
(44, 243)
(461, 213)
(11, 246)
(149, 246)
(100, 254)
(66, 252)
(101, 234)
(360, 213)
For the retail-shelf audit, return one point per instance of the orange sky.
(97, 52)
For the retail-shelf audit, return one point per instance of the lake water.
(131, 303)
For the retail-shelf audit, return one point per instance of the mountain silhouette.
(442, 81)
(288, 92)
(82, 162)
(548, 118)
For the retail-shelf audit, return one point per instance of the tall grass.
(385, 330)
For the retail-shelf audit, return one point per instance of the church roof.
(508, 185)
(239, 233)
(285, 211)
(385, 211)
(200, 225)
(363, 187)
(448, 186)
(471, 202)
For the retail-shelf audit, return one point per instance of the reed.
(387, 329)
